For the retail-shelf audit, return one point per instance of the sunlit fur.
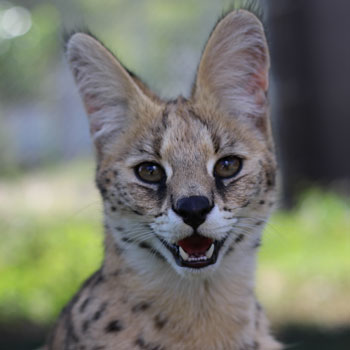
(227, 114)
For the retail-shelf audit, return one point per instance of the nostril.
(193, 210)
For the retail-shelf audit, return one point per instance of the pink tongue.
(195, 245)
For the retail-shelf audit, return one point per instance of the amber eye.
(150, 172)
(227, 167)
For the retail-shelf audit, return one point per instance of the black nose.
(193, 210)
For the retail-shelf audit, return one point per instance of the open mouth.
(195, 251)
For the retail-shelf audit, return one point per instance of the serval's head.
(187, 183)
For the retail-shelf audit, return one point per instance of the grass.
(304, 271)
(50, 224)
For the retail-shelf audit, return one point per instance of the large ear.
(110, 95)
(234, 68)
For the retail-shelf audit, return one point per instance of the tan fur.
(140, 298)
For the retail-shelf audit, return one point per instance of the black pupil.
(151, 169)
(226, 164)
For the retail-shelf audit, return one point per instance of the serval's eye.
(227, 167)
(150, 172)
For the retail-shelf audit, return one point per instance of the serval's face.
(188, 183)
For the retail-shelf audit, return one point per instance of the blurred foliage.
(49, 242)
(50, 224)
(145, 33)
(153, 37)
(26, 59)
(304, 271)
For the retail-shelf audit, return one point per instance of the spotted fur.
(140, 298)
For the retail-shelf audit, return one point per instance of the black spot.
(270, 178)
(71, 335)
(258, 306)
(144, 305)
(153, 251)
(91, 280)
(137, 212)
(115, 173)
(114, 326)
(84, 304)
(239, 238)
(107, 181)
(258, 223)
(246, 204)
(85, 326)
(99, 278)
(117, 248)
(229, 250)
(119, 228)
(160, 322)
(97, 315)
(257, 243)
(158, 215)
(145, 245)
(127, 240)
(102, 190)
(158, 255)
(140, 342)
(113, 208)
(262, 202)
(116, 273)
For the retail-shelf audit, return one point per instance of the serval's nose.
(193, 210)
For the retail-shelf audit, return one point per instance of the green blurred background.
(50, 212)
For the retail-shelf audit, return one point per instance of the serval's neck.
(223, 304)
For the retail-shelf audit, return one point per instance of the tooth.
(210, 251)
(183, 254)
